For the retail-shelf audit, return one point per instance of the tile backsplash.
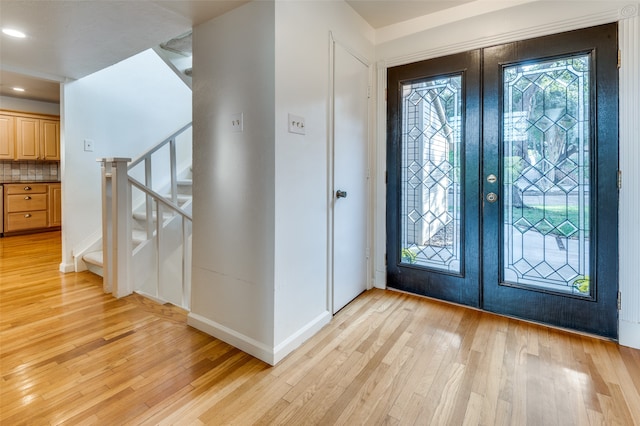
(16, 171)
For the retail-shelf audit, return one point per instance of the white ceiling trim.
(444, 17)
(612, 14)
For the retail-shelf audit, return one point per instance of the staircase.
(157, 260)
(94, 259)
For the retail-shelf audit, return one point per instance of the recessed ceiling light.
(18, 89)
(13, 33)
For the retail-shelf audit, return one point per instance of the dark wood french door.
(502, 179)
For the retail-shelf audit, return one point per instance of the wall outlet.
(296, 124)
(88, 145)
(237, 124)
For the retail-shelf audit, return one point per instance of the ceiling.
(70, 39)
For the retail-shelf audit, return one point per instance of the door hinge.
(386, 177)
(385, 94)
(619, 180)
(368, 92)
(619, 58)
(619, 301)
(385, 259)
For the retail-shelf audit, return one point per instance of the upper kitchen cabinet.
(29, 137)
(50, 139)
(7, 137)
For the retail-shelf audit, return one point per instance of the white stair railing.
(123, 272)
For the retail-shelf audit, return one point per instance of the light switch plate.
(296, 124)
(237, 122)
(88, 145)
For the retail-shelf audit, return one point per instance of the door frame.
(333, 41)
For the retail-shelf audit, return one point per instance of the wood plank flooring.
(73, 355)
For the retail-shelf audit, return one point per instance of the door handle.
(341, 194)
(492, 197)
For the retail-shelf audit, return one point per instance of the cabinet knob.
(27, 198)
(27, 188)
(27, 215)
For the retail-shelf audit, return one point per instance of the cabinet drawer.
(26, 203)
(22, 221)
(26, 188)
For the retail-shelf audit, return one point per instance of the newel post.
(116, 226)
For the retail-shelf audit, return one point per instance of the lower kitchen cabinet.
(32, 206)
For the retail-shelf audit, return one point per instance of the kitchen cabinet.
(7, 137)
(50, 140)
(26, 136)
(31, 206)
(54, 208)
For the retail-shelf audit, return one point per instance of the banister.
(141, 158)
(160, 198)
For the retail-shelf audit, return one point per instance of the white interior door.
(350, 165)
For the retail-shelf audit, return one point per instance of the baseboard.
(232, 337)
(65, 268)
(155, 299)
(252, 346)
(380, 279)
(629, 334)
(299, 337)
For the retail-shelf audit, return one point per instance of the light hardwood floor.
(71, 354)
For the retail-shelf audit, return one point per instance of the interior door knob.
(341, 194)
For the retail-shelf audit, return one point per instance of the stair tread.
(143, 215)
(181, 197)
(138, 236)
(94, 257)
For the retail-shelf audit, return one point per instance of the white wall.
(302, 162)
(233, 178)
(27, 105)
(260, 276)
(125, 109)
(525, 21)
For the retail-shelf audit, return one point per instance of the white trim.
(300, 336)
(65, 268)
(232, 337)
(443, 17)
(602, 17)
(629, 201)
(629, 334)
(254, 347)
(380, 186)
(330, 183)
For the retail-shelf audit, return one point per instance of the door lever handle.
(341, 194)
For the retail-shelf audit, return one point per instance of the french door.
(502, 179)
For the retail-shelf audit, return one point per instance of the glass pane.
(431, 146)
(546, 175)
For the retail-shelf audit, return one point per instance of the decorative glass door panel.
(546, 185)
(550, 249)
(503, 195)
(433, 232)
(431, 137)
